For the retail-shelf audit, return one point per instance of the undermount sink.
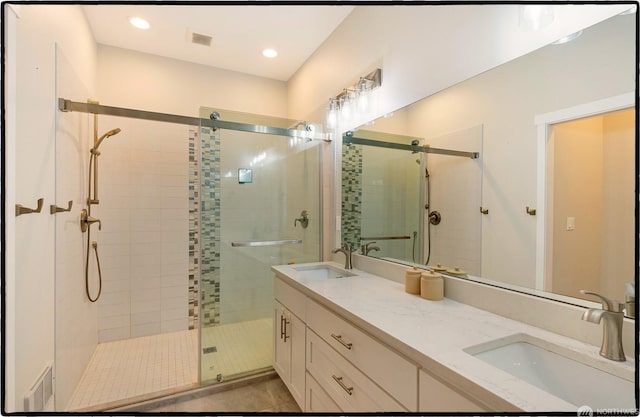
(323, 271)
(535, 362)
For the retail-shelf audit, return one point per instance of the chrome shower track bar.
(70, 106)
(347, 138)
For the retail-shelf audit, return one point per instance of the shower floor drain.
(211, 349)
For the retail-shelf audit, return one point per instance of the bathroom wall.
(620, 144)
(144, 179)
(33, 123)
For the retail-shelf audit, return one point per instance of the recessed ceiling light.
(139, 22)
(270, 53)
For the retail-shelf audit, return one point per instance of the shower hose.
(94, 244)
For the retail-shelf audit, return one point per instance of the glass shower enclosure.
(257, 205)
(195, 214)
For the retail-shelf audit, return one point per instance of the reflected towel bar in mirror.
(266, 243)
(386, 238)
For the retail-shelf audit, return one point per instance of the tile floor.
(145, 365)
(239, 348)
(268, 395)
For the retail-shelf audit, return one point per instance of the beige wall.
(594, 183)
(618, 203)
(577, 193)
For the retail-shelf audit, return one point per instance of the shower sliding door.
(249, 190)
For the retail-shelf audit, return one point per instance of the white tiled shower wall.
(143, 245)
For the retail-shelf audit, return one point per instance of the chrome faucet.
(346, 249)
(365, 249)
(612, 314)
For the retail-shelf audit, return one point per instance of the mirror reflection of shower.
(85, 216)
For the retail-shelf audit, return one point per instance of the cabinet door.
(435, 396)
(282, 347)
(297, 345)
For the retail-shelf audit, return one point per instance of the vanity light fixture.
(270, 53)
(354, 103)
(139, 23)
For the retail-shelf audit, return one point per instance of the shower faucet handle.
(303, 219)
(86, 221)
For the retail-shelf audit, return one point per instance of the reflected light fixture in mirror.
(567, 38)
(269, 53)
(139, 23)
(535, 17)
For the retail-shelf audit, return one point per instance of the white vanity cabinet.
(331, 365)
(290, 341)
(436, 396)
(394, 374)
(347, 387)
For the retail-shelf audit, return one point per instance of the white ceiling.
(239, 33)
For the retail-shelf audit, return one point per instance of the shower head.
(103, 137)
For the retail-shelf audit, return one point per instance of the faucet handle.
(607, 304)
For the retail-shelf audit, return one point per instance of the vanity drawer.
(392, 372)
(350, 389)
(317, 400)
(291, 298)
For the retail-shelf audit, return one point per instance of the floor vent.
(38, 397)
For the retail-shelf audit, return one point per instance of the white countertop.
(434, 333)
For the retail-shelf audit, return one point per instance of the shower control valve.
(86, 221)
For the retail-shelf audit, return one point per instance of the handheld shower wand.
(94, 158)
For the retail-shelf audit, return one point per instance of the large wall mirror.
(463, 179)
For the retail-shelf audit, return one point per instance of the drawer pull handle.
(342, 385)
(342, 342)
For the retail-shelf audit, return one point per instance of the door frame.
(543, 122)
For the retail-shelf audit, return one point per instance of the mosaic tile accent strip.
(210, 194)
(351, 194)
(194, 228)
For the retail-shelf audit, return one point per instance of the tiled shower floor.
(146, 365)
